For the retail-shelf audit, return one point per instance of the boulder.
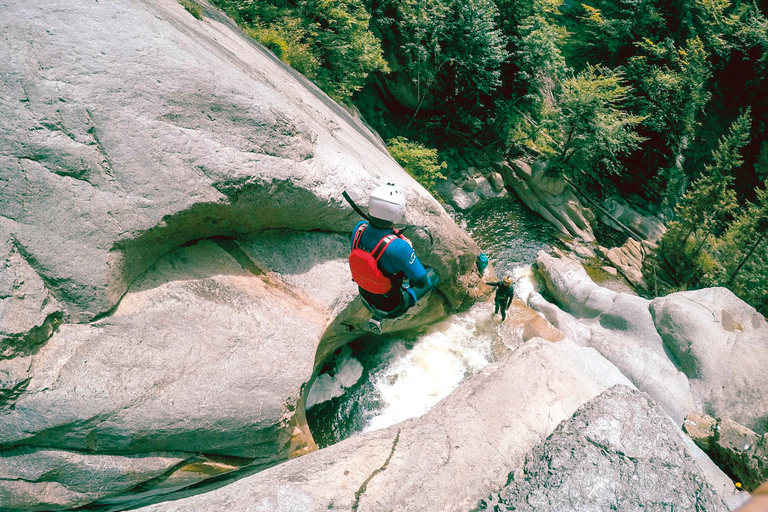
(497, 182)
(549, 197)
(628, 259)
(193, 359)
(721, 343)
(456, 196)
(619, 451)
(469, 194)
(26, 476)
(696, 351)
(619, 326)
(122, 142)
(620, 215)
(449, 459)
(469, 185)
(173, 240)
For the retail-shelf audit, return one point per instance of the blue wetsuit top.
(398, 261)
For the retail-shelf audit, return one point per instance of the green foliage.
(419, 161)
(743, 251)
(348, 50)
(606, 30)
(592, 129)
(688, 250)
(326, 40)
(283, 40)
(447, 57)
(193, 8)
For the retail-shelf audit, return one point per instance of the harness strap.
(358, 235)
(377, 251)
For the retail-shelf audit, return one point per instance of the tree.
(704, 210)
(670, 92)
(349, 51)
(418, 160)
(743, 252)
(447, 57)
(711, 201)
(329, 41)
(592, 129)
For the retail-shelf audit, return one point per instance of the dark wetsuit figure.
(398, 262)
(504, 295)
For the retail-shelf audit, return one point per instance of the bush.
(193, 8)
(271, 39)
(418, 161)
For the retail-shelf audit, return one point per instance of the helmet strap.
(380, 223)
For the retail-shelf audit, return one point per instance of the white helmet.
(387, 202)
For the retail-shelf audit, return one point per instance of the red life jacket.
(365, 265)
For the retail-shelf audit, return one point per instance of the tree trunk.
(745, 258)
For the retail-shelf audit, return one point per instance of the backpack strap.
(358, 236)
(378, 251)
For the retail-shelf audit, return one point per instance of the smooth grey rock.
(456, 196)
(620, 215)
(201, 355)
(28, 312)
(469, 185)
(46, 479)
(549, 197)
(312, 262)
(618, 452)
(130, 128)
(497, 182)
(456, 454)
(721, 343)
(620, 327)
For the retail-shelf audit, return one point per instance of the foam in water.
(416, 379)
(524, 282)
(347, 372)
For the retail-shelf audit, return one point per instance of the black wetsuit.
(504, 295)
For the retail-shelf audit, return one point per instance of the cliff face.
(174, 240)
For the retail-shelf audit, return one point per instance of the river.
(376, 382)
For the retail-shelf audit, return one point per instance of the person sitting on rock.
(389, 275)
(504, 294)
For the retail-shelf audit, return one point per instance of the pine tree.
(743, 251)
(710, 200)
(703, 212)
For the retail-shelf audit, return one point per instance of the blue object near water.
(482, 262)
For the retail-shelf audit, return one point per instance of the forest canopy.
(662, 101)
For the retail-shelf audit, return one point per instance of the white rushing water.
(416, 379)
(408, 375)
(346, 372)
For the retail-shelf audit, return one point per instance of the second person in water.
(504, 295)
